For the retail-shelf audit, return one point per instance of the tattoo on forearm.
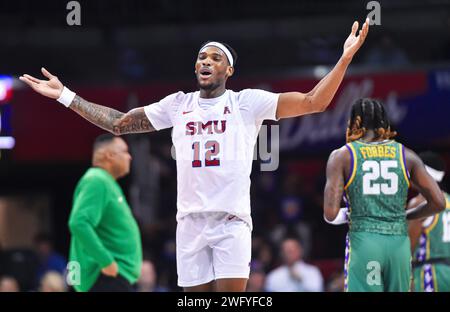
(135, 121)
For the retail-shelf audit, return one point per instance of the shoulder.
(94, 177)
(411, 158)
(254, 95)
(177, 97)
(251, 91)
(341, 154)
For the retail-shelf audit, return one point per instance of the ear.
(230, 71)
(108, 155)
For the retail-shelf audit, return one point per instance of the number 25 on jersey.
(372, 172)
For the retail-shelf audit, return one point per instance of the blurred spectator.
(52, 281)
(336, 282)
(257, 278)
(21, 263)
(262, 253)
(294, 274)
(48, 259)
(291, 213)
(9, 284)
(386, 53)
(148, 280)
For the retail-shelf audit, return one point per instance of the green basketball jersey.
(377, 187)
(434, 240)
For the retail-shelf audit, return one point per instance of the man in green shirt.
(105, 251)
(374, 172)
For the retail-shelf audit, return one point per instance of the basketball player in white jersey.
(214, 133)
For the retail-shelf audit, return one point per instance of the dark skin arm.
(428, 188)
(135, 121)
(338, 168)
(415, 226)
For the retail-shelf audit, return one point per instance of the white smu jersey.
(214, 141)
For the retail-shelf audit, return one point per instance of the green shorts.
(432, 277)
(377, 262)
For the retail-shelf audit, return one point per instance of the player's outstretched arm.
(435, 200)
(293, 104)
(135, 121)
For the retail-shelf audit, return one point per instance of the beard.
(208, 86)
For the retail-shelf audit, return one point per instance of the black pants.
(106, 283)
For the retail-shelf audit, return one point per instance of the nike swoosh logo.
(184, 113)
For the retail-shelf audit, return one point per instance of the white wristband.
(341, 217)
(66, 97)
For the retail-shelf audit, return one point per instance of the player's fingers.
(363, 33)
(365, 27)
(355, 27)
(31, 78)
(29, 82)
(46, 73)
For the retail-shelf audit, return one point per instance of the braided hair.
(368, 114)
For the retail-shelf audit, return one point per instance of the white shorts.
(211, 246)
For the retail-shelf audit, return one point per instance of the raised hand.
(353, 42)
(51, 88)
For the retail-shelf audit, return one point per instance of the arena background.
(132, 53)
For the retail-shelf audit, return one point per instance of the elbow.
(76, 226)
(116, 128)
(316, 105)
(322, 108)
(329, 214)
(440, 205)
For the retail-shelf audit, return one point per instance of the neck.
(212, 93)
(371, 137)
(105, 167)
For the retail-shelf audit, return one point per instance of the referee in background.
(105, 242)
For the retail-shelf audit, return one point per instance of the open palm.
(354, 42)
(51, 88)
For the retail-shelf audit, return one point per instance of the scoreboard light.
(6, 89)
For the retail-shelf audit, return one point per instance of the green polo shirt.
(103, 230)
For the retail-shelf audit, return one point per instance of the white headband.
(435, 174)
(221, 47)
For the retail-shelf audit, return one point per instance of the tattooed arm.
(135, 121)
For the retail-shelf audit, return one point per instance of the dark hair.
(233, 53)
(368, 114)
(103, 139)
(433, 160)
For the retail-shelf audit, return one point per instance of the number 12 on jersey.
(212, 149)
